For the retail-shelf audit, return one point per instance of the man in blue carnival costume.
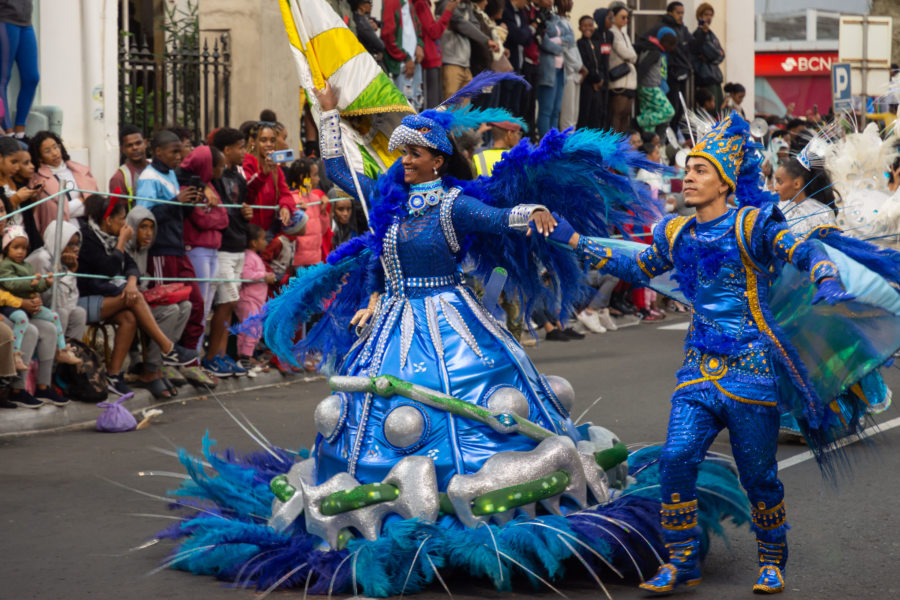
(738, 364)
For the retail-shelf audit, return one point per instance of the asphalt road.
(72, 530)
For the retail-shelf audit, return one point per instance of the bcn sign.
(781, 64)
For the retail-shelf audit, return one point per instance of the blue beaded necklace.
(423, 195)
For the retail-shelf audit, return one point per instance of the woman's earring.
(434, 169)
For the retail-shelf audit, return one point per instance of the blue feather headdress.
(432, 128)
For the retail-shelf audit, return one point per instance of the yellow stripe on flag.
(333, 49)
(380, 146)
(289, 26)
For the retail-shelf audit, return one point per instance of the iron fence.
(186, 86)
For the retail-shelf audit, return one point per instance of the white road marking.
(681, 326)
(804, 456)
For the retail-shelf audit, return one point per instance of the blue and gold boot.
(679, 521)
(771, 539)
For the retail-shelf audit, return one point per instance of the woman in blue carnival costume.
(759, 339)
(441, 446)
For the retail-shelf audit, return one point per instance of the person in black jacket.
(707, 54)
(104, 234)
(517, 16)
(679, 59)
(592, 103)
(368, 37)
(603, 40)
(232, 189)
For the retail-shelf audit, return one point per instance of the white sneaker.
(590, 322)
(604, 318)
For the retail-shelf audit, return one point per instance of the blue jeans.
(18, 45)
(206, 265)
(411, 87)
(549, 99)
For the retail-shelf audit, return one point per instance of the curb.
(83, 415)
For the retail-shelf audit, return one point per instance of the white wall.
(77, 46)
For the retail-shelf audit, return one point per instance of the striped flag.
(324, 48)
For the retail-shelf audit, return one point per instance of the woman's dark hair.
(9, 146)
(267, 114)
(183, 133)
(816, 182)
(34, 147)
(96, 206)
(299, 170)
(253, 231)
(248, 130)
(648, 137)
(583, 17)
(454, 165)
(702, 96)
(734, 88)
(226, 136)
(616, 8)
(648, 147)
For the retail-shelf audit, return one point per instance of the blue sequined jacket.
(724, 268)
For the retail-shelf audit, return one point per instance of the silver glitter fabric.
(330, 134)
(520, 215)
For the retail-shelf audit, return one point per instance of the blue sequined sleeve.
(638, 268)
(473, 216)
(777, 242)
(333, 157)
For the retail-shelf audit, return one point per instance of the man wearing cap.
(505, 135)
(737, 360)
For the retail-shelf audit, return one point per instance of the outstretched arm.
(332, 150)
(473, 216)
(636, 269)
(809, 256)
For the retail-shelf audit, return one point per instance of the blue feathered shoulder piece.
(336, 288)
(584, 176)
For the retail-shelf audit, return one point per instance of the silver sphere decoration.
(508, 400)
(404, 426)
(563, 390)
(328, 415)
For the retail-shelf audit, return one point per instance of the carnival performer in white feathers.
(440, 430)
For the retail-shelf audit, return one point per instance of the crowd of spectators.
(605, 75)
(187, 238)
(190, 236)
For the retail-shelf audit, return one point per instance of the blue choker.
(423, 195)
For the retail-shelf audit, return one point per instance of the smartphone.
(282, 156)
(196, 182)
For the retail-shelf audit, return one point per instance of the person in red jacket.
(432, 30)
(204, 224)
(401, 33)
(265, 182)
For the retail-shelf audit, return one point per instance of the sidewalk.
(83, 415)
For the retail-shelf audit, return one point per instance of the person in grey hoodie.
(171, 318)
(72, 318)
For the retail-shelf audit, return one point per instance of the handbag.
(619, 71)
(116, 418)
(169, 293)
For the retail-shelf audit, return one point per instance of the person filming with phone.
(266, 185)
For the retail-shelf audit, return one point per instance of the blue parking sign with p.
(840, 87)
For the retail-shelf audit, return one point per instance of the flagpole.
(317, 74)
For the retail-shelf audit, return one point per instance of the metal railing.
(186, 86)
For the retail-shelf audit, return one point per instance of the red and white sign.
(792, 64)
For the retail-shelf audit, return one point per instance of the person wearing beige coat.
(621, 90)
